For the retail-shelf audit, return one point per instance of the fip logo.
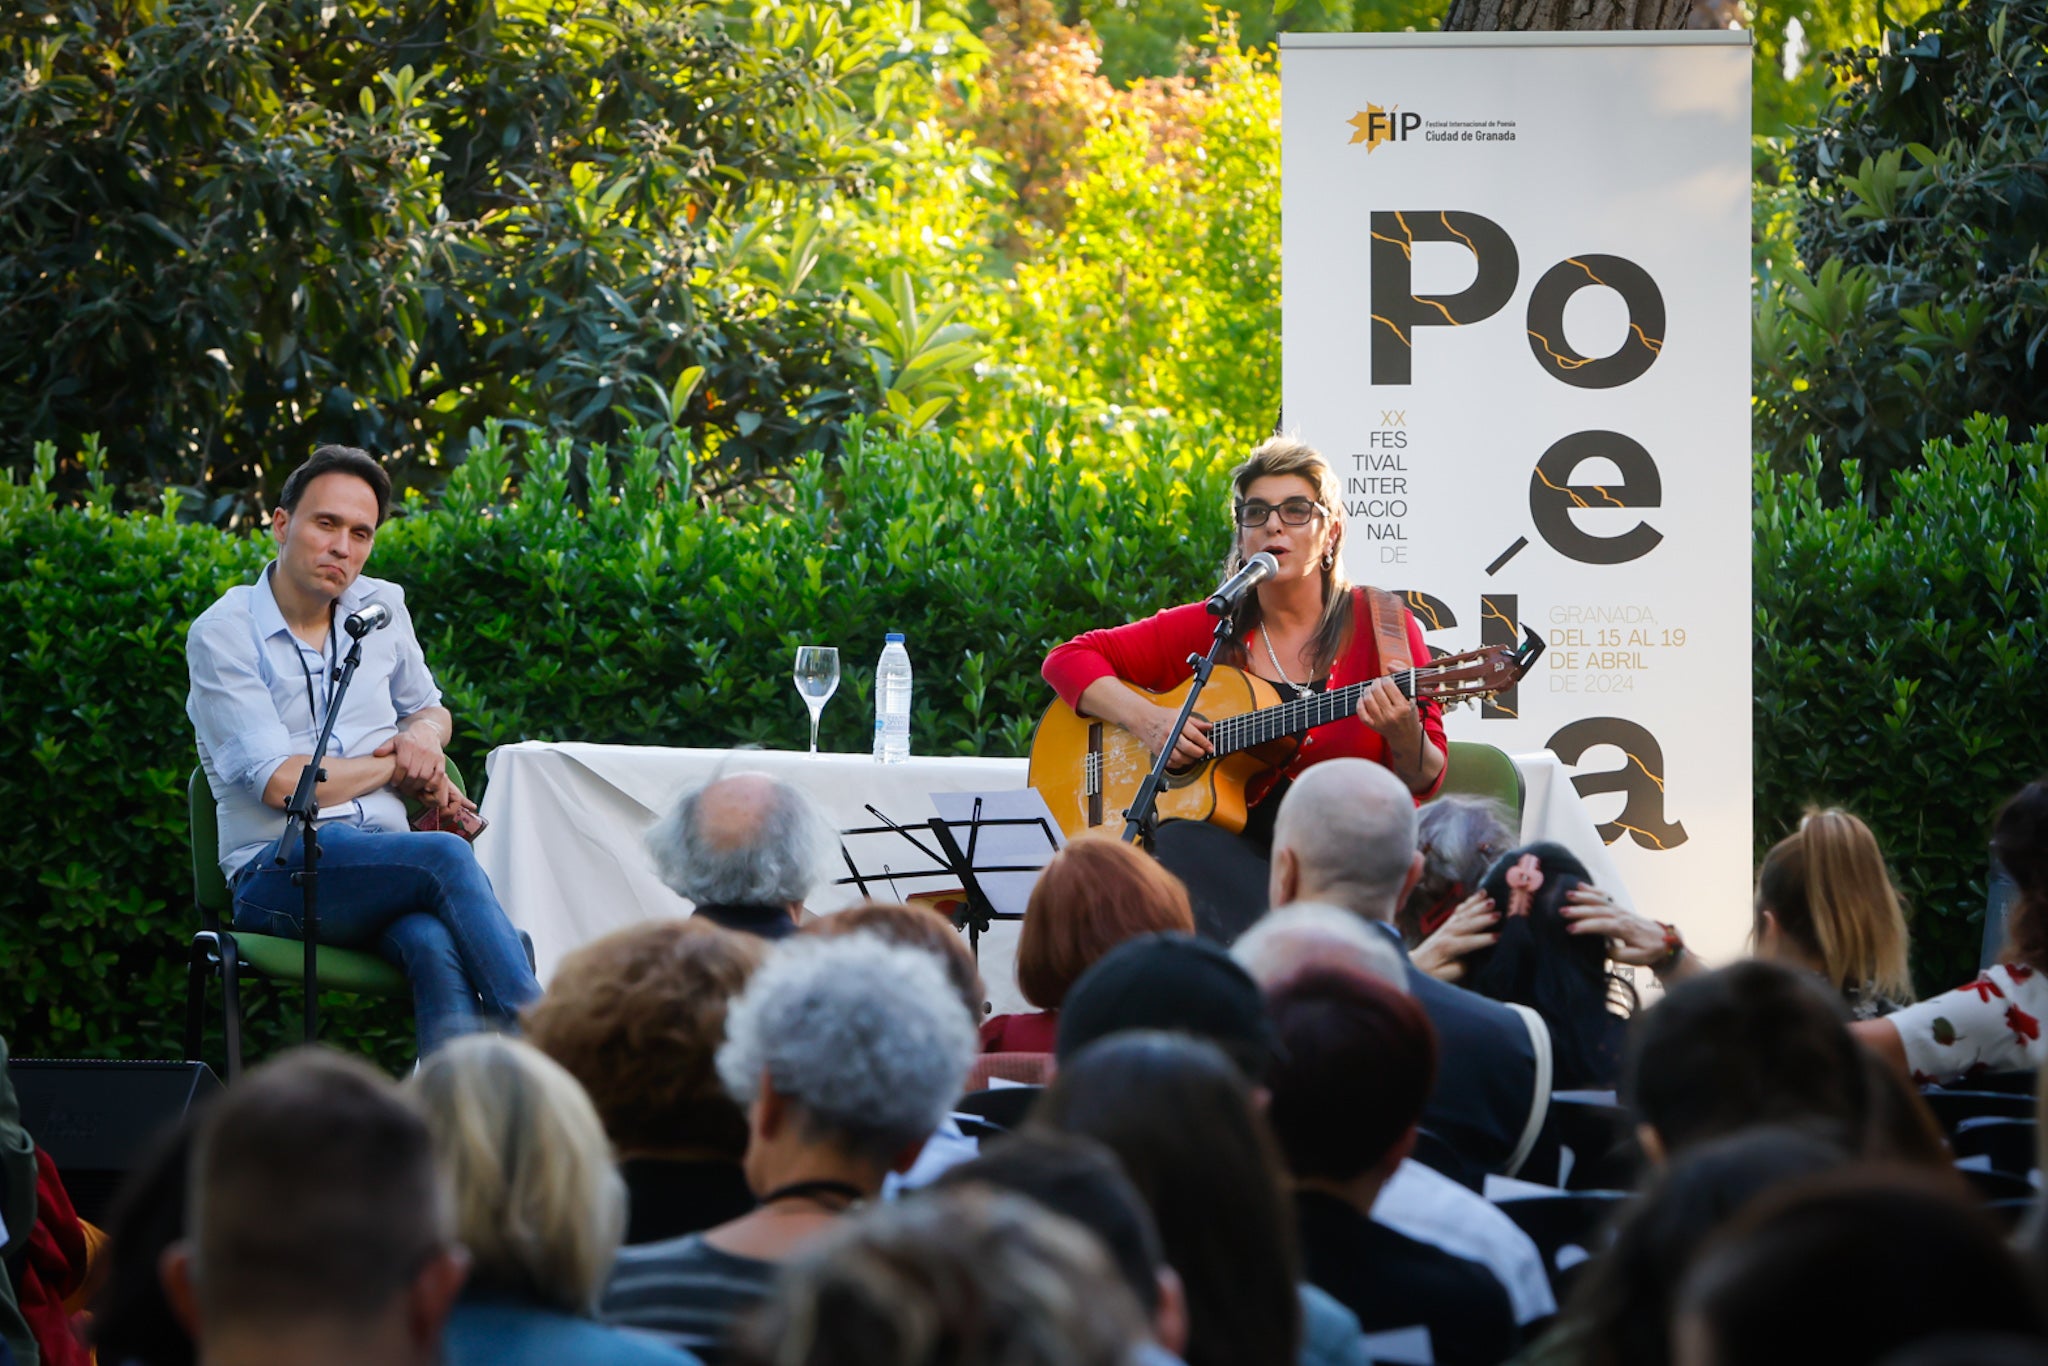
(1374, 125)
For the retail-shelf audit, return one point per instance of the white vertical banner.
(1516, 318)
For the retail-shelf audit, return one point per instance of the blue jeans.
(418, 900)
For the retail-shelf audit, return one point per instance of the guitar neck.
(1251, 728)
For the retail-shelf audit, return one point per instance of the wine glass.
(817, 678)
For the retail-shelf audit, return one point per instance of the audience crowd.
(1449, 1102)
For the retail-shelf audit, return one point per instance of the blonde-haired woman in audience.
(537, 1203)
(1824, 902)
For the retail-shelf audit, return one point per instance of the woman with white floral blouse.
(1993, 1024)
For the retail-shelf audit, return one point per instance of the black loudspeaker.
(98, 1119)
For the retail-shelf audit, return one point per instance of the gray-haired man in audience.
(1346, 835)
(319, 1231)
(746, 850)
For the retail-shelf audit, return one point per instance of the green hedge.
(647, 618)
(1898, 659)
(1899, 666)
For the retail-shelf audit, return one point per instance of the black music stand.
(953, 861)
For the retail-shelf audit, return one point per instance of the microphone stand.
(1140, 817)
(304, 807)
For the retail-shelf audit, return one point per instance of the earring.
(1329, 558)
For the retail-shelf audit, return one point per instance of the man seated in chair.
(262, 661)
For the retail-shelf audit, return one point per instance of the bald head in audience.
(1346, 835)
(1315, 933)
(746, 849)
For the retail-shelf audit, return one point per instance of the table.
(565, 846)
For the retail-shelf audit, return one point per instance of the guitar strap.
(1389, 629)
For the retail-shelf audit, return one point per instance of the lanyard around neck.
(333, 656)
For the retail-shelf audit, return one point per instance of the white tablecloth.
(565, 846)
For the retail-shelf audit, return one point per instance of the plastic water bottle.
(892, 702)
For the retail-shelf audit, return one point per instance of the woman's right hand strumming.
(1117, 702)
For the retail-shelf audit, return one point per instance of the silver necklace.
(1300, 690)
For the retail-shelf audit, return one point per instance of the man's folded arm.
(237, 722)
(347, 779)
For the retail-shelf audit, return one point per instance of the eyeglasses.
(1293, 512)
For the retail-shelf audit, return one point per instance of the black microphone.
(375, 617)
(1257, 569)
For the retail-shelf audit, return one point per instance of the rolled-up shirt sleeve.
(231, 709)
(412, 683)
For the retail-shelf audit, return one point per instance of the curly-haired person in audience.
(637, 1017)
(1093, 895)
(1996, 1022)
(845, 1053)
(928, 931)
(963, 1278)
(537, 1204)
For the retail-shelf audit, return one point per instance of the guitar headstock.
(1483, 672)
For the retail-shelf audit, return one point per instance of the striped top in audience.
(685, 1291)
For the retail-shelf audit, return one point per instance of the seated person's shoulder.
(227, 613)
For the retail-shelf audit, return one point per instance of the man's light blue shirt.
(258, 696)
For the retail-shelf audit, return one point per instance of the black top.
(667, 1198)
(768, 922)
(1486, 1068)
(1392, 1281)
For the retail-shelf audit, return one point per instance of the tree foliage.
(232, 229)
(1921, 213)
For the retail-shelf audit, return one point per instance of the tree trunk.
(1524, 16)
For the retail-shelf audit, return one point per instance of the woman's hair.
(1353, 1066)
(964, 1277)
(915, 927)
(1536, 961)
(537, 1200)
(865, 1038)
(132, 1320)
(2019, 841)
(1094, 894)
(1850, 1266)
(1284, 455)
(1460, 836)
(637, 1018)
(1826, 885)
(1181, 1118)
(1619, 1313)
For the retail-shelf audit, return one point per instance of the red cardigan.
(1153, 654)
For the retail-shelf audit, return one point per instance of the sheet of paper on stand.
(1025, 838)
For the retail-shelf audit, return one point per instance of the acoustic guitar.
(1090, 770)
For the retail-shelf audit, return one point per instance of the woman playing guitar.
(1304, 630)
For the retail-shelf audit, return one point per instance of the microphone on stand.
(1257, 570)
(375, 617)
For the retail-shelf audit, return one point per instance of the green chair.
(231, 954)
(1480, 770)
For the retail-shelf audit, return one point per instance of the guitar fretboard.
(1234, 733)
